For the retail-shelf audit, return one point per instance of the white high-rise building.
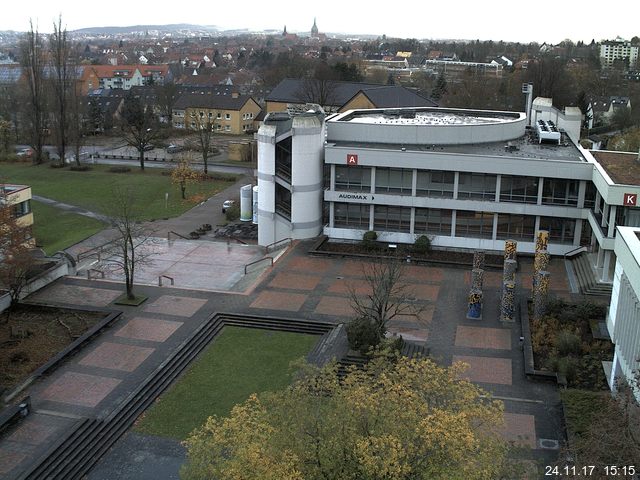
(618, 49)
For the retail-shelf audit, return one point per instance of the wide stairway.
(587, 279)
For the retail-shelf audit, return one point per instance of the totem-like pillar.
(542, 240)
(509, 272)
(477, 277)
(478, 259)
(510, 249)
(475, 305)
(540, 293)
(508, 303)
(541, 261)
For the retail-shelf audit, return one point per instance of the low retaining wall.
(527, 348)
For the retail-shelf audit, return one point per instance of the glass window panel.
(394, 219)
(433, 220)
(519, 189)
(517, 227)
(434, 183)
(474, 224)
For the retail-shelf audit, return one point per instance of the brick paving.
(483, 337)
(151, 329)
(486, 369)
(80, 389)
(93, 382)
(116, 356)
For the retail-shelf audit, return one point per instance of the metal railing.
(100, 272)
(258, 261)
(165, 276)
(274, 246)
(575, 251)
(176, 234)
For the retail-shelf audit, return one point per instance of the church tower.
(314, 29)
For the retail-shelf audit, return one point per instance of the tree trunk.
(142, 159)
(183, 189)
(205, 156)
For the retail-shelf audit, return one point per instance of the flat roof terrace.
(429, 117)
(524, 147)
(622, 167)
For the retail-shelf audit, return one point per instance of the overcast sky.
(509, 20)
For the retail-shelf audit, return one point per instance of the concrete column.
(498, 186)
(478, 259)
(412, 224)
(453, 223)
(477, 277)
(507, 303)
(578, 232)
(605, 215)
(596, 204)
(494, 230)
(332, 180)
(600, 257)
(540, 186)
(370, 217)
(331, 215)
(373, 182)
(612, 220)
(474, 311)
(509, 271)
(606, 266)
(582, 191)
(456, 180)
(414, 183)
(542, 240)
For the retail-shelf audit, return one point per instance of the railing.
(272, 246)
(100, 272)
(176, 234)
(575, 251)
(97, 251)
(164, 276)
(258, 261)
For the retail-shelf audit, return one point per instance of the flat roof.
(428, 116)
(622, 167)
(522, 147)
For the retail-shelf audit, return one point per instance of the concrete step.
(587, 278)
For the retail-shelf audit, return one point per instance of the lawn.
(57, 229)
(92, 189)
(239, 362)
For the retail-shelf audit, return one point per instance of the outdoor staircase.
(587, 279)
(409, 349)
(73, 455)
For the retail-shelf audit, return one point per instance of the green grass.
(93, 189)
(57, 229)
(239, 362)
(581, 407)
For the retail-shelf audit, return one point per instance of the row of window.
(473, 186)
(218, 116)
(439, 222)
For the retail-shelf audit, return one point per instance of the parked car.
(25, 152)
(149, 147)
(173, 148)
(227, 204)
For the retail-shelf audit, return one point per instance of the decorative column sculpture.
(477, 277)
(508, 304)
(540, 293)
(510, 249)
(509, 272)
(475, 305)
(542, 240)
(478, 259)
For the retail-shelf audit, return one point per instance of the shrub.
(363, 334)
(422, 245)
(369, 239)
(233, 213)
(80, 168)
(120, 169)
(567, 342)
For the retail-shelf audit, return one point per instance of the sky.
(523, 21)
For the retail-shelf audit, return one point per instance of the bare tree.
(204, 128)
(62, 79)
(139, 125)
(167, 94)
(16, 261)
(388, 295)
(33, 61)
(319, 90)
(129, 250)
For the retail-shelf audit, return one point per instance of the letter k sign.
(630, 199)
(352, 159)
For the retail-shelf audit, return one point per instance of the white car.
(227, 204)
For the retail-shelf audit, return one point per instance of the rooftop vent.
(547, 132)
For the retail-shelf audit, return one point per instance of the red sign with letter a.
(352, 159)
(630, 199)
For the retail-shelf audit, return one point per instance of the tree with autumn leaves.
(398, 418)
(184, 174)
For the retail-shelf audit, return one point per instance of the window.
(477, 186)
(219, 116)
(353, 179)
(193, 124)
(433, 220)
(474, 224)
(560, 229)
(283, 201)
(559, 191)
(22, 208)
(434, 183)
(393, 219)
(519, 189)
(218, 127)
(590, 196)
(516, 227)
(210, 115)
(227, 116)
(250, 115)
(353, 215)
(394, 180)
(227, 128)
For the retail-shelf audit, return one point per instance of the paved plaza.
(93, 382)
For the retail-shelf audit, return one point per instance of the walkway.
(71, 208)
(96, 380)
